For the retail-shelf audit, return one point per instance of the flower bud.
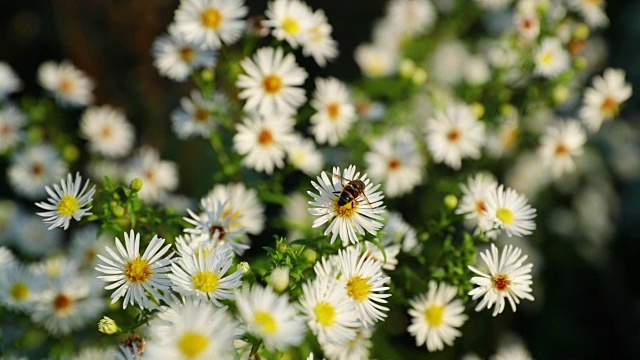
(310, 255)
(451, 201)
(478, 109)
(279, 279)
(560, 94)
(244, 267)
(407, 68)
(108, 326)
(419, 76)
(136, 184)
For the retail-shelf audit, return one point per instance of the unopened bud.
(70, 153)
(420, 76)
(582, 32)
(207, 75)
(244, 267)
(108, 326)
(560, 94)
(279, 279)
(310, 255)
(407, 67)
(117, 210)
(282, 247)
(478, 109)
(136, 184)
(451, 201)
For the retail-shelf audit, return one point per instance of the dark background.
(588, 312)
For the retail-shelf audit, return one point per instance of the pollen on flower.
(609, 107)
(359, 288)
(348, 210)
(434, 315)
(501, 282)
(272, 84)
(326, 313)
(20, 291)
(266, 321)
(290, 26)
(192, 344)
(187, 54)
(211, 18)
(265, 137)
(138, 270)
(68, 205)
(505, 215)
(206, 281)
(62, 303)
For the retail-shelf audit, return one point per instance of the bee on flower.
(350, 201)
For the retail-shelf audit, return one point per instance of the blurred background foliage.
(589, 310)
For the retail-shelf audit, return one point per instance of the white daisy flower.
(317, 41)
(473, 203)
(357, 349)
(68, 305)
(493, 4)
(270, 317)
(551, 59)
(67, 83)
(455, 134)
(271, 82)
(213, 228)
(33, 168)
(411, 17)
(108, 131)
(198, 116)
(511, 211)
(176, 58)
(384, 252)
(602, 101)
(335, 112)
(364, 280)
(350, 201)
(304, 155)
(193, 330)
(7, 259)
(508, 279)
(289, 20)
(9, 81)
(398, 231)
(330, 313)
(436, 316)
(56, 268)
(396, 161)
(526, 20)
(132, 274)
(158, 176)
(67, 201)
(19, 288)
(376, 60)
(12, 120)
(247, 212)
(592, 11)
(205, 275)
(561, 144)
(263, 141)
(209, 23)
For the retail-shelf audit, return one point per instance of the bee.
(348, 197)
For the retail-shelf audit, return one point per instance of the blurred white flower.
(66, 83)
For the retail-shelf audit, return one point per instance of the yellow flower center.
(266, 322)
(434, 315)
(20, 291)
(211, 18)
(187, 54)
(201, 115)
(359, 288)
(561, 150)
(66, 85)
(505, 215)
(137, 270)
(546, 58)
(333, 110)
(290, 26)
(206, 281)
(394, 163)
(453, 135)
(347, 210)
(68, 205)
(192, 344)
(272, 84)
(325, 313)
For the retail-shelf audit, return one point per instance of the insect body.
(347, 198)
